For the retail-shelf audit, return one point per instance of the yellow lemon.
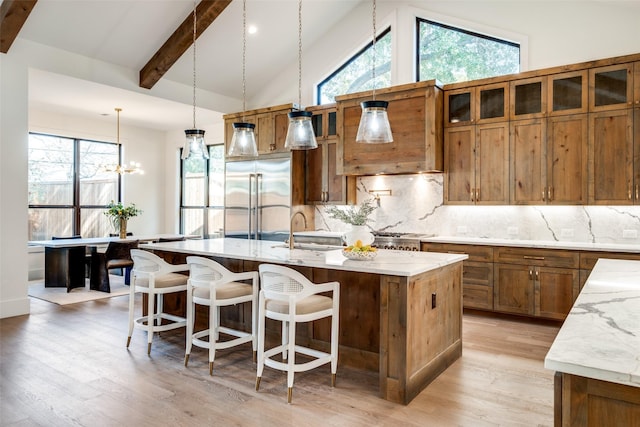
(358, 243)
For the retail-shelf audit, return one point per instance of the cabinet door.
(611, 87)
(264, 133)
(568, 93)
(492, 164)
(555, 291)
(314, 184)
(459, 107)
(513, 290)
(477, 285)
(567, 143)
(460, 165)
(528, 157)
(280, 128)
(528, 98)
(492, 103)
(336, 185)
(611, 157)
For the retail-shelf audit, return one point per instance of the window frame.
(76, 206)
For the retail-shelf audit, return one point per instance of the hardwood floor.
(68, 365)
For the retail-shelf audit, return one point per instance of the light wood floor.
(68, 365)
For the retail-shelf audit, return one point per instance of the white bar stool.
(289, 297)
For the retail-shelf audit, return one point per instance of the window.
(355, 75)
(68, 187)
(202, 194)
(453, 55)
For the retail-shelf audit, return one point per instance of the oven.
(397, 241)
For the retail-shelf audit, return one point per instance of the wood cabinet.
(415, 114)
(477, 272)
(271, 128)
(535, 282)
(611, 87)
(480, 104)
(528, 98)
(568, 93)
(477, 164)
(323, 184)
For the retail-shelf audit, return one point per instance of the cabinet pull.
(550, 194)
(539, 258)
(537, 275)
(530, 274)
(473, 194)
(477, 194)
(629, 193)
(637, 192)
(544, 190)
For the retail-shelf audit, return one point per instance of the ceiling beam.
(181, 39)
(13, 15)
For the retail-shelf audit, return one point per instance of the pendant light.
(374, 125)
(194, 146)
(132, 167)
(300, 134)
(243, 142)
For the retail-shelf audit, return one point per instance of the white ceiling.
(128, 32)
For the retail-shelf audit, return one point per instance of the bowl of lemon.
(360, 252)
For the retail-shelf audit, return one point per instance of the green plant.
(116, 212)
(354, 215)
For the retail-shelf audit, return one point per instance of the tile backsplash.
(416, 206)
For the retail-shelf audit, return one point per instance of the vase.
(123, 228)
(358, 232)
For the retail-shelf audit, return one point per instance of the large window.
(453, 55)
(356, 74)
(68, 187)
(202, 194)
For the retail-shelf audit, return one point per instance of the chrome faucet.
(291, 227)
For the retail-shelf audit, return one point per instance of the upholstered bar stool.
(289, 297)
(155, 277)
(212, 285)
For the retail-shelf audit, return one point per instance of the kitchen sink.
(309, 246)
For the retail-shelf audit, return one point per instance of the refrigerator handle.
(251, 176)
(258, 206)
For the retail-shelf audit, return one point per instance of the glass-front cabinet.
(568, 93)
(611, 87)
(481, 104)
(528, 98)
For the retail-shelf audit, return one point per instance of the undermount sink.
(309, 246)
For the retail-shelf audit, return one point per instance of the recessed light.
(252, 29)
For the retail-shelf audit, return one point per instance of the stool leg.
(292, 357)
(150, 321)
(190, 321)
(214, 316)
(260, 352)
(132, 296)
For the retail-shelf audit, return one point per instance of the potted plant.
(119, 215)
(357, 217)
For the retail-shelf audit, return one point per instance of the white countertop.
(543, 244)
(387, 262)
(600, 338)
(95, 241)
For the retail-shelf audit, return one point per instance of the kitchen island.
(596, 354)
(400, 314)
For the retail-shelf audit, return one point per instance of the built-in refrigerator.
(258, 199)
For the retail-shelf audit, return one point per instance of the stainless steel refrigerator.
(258, 199)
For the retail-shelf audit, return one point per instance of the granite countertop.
(543, 244)
(387, 262)
(600, 337)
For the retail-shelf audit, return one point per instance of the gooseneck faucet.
(291, 227)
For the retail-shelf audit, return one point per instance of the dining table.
(65, 260)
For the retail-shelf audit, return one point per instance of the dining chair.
(116, 256)
(289, 297)
(211, 284)
(155, 277)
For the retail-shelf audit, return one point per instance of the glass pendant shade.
(374, 125)
(243, 142)
(194, 145)
(300, 134)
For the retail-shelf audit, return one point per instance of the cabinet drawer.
(538, 257)
(475, 252)
(477, 285)
(589, 259)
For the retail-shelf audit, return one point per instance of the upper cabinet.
(528, 98)
(271, 128)
(415, 115)
(611, 87)
(476, 105)
(568, 93)
(323, 184)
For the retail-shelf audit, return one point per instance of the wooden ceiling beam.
(13, 15)
(181, 39)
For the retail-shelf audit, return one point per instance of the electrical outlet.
(629, 234)
(566, 233)
(512, 231)
(462, 229)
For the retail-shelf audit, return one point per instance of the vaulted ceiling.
(129, 33)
